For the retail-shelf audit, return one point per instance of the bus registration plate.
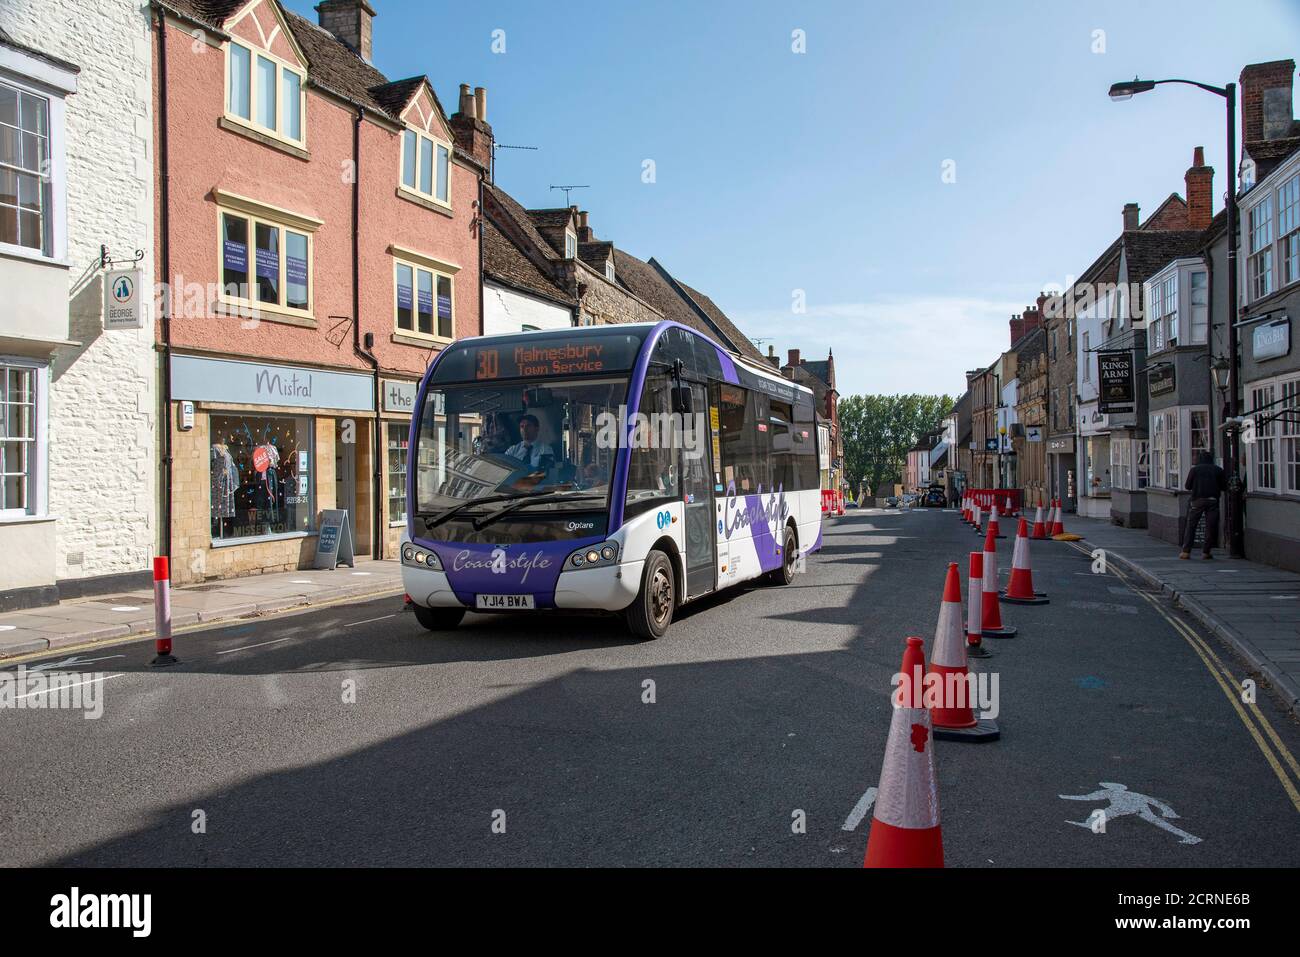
(504, 602)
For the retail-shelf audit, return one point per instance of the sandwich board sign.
(334, 544)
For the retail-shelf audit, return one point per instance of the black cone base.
(162, 661)
(976, 651)
(1038, 599)
(1003, 632)
(984, 730)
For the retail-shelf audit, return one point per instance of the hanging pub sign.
(1115, 375)
(1161, 379)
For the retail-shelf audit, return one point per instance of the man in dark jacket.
(1206, 481)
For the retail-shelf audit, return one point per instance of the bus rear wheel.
(789, 556)
(651, 613)
(438, 619)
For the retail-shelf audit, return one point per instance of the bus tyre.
(438, 619)
(789, 556)
(652, 611)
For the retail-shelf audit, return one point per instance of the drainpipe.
(376, 483)
(164, 243)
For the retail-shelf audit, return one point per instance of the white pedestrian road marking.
(1123, 802)
(859, 810)
(368, 620)
(260, 644)
(74, 661)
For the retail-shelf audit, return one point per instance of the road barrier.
(991, 626)
(1020, 587)
(162, 614)
(905, 829)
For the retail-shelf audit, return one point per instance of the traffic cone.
(993, 524)
(1039, 530)
(953, 717)
(975, 608)
(965, 508)
(1058, 527)
(991, 625)
(979, 519)
(1020, 588)
(1011, 508)
(905, 828)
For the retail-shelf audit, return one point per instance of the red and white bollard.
(162, 614)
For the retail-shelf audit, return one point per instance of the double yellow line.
(1279, 757)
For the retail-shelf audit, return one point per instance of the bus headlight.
(419, 557)
(594, 557)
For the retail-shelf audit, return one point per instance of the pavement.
(131, 613)
(753, 733)
(1254, 608)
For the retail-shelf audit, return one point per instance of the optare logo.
(581, 526)
(664, 519)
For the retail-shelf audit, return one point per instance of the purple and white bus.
(618, 468)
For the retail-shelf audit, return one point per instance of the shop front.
(397, 403)
(1061, 470)
(259, 451)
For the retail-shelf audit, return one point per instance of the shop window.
(277, 272)
(262, 477)
(399, 434)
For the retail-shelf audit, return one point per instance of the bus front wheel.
(652, 611)
(438, 619)
(789, 556)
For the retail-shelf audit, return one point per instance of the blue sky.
(822, 171)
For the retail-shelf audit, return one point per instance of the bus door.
(697, 496)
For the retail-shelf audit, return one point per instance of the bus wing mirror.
(682, 399)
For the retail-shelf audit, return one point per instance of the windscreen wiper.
(537, 498)
(446, 513)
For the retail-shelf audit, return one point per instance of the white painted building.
(510, 310)
(78, 501)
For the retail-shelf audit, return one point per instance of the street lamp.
(1124, 91)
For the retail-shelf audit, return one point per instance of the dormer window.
(426, 166)
(570, 245)
(609, 269)
(265, 93)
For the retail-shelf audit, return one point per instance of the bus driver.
(528, 450)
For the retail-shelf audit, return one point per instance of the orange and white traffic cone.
(965, 508)
(1020, 587)
(1010, 510)
(953, 717)
(994, 530)
(978, 519)
(975, 608)
(905, 829)
(1058, 527)
(991, 625)
(1040, 531)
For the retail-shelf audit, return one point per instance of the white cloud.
(893, 344)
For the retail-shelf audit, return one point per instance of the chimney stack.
(1266, 110)
(349, 21)
(1017, 328)
(794, 358)
(1131, 215)
(584, 231)
(470, 128)
(1200, 191)
(772, 359)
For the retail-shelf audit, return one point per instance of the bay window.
(24, 169)
(1274, 455)
(265, 93)
(21, 384)
(1288, 229)
(1259, 259)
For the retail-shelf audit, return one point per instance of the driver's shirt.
(530, 452)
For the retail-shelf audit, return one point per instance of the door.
(697, 497)
(345, 470)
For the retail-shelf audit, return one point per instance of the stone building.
(1029, 440)
(77, 404)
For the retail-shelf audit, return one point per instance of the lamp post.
(1124, 91)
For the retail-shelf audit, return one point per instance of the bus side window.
(805, 435)
(780, 430)
(738, 422)
(652, 464)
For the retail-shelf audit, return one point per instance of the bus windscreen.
(538, 354)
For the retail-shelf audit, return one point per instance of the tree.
(879, 429)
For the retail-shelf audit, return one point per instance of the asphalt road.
(766, 702)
